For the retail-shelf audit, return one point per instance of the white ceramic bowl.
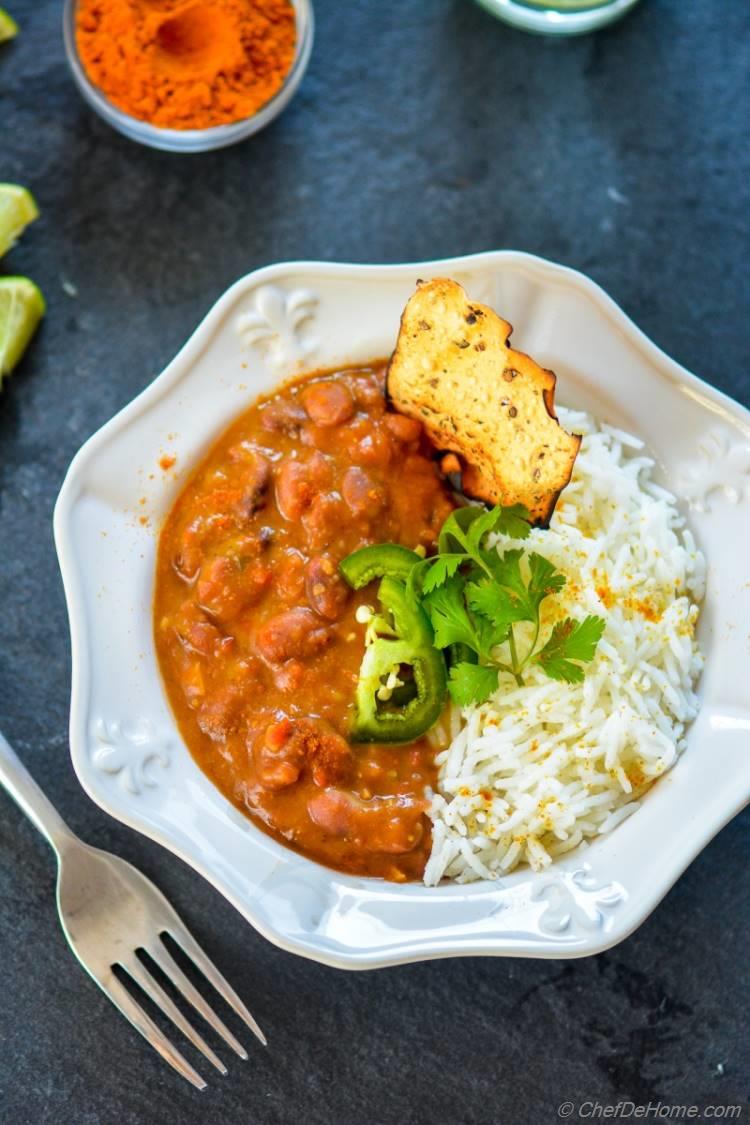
(126, 748)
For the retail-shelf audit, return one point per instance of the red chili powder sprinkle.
(645, 608)
(606, 596)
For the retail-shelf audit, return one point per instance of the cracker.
(454, 370)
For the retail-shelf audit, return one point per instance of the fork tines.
(137, 970)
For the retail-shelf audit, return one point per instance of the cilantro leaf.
(490, 636)
(514, 521)
(484, 597)
(471, 683)
(450, 620)
(495, 605)
(441, 568)
(480, 526)
(506, 572)
(583, 638)
(544, 579)
(570, 640)
(453, 531)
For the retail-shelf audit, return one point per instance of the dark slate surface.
(424, 128)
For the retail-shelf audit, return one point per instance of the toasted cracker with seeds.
(494, 407)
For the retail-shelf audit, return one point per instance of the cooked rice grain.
(538, 769)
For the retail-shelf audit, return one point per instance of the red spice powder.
(645, 608)
(187, 64)
(606, 596)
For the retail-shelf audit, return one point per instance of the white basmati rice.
(538, 769)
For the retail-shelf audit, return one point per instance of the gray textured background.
(423, 128)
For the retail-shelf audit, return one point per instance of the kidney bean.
(226, 586)
(294, 489)
(194, 631)
(404, 429)
(292, 633)
(363, 494)
(282, 416)
(374, 449)
(290, 744)
(278, 759)
(326, 590)
(328, 404)
(218, 589)
(289, 576)
(323, 520)
(379, 825)
(255, 479)
(220, 713)
(368, 393)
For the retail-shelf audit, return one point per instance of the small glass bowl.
(192, 140)
(565, 18)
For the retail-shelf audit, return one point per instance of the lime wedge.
(17, 209)
(21, 308)
(8, 26)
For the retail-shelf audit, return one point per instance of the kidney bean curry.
(260, 637)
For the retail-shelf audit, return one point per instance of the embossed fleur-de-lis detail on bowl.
(576, 901)
(129, 751)
(722, 465)
(278, 323)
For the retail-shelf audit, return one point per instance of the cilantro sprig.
(570, 641)
(475, 597)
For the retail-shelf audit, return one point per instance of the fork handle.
(26, 793)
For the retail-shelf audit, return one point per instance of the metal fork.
(108, 912)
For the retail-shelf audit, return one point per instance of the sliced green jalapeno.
(402, 679)
(379, 561)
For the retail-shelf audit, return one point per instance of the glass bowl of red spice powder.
(188, 75)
